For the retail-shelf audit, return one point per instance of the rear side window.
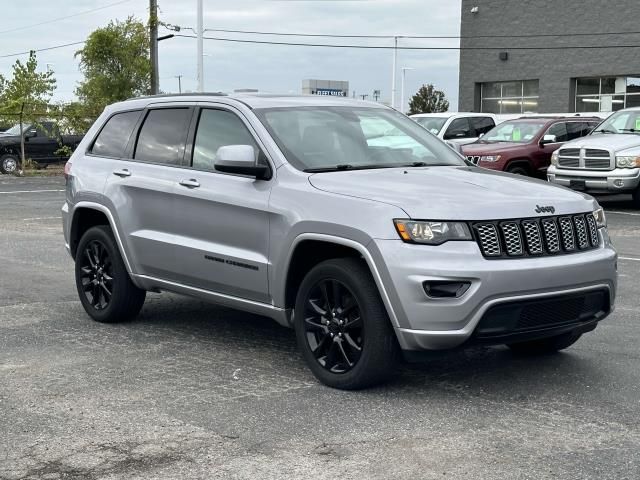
(560, 132)
(114, 136)
(578, 129)
(163, 135)
(218, 128)
(482, 125)
(459, 128)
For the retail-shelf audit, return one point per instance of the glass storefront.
(520, 96)
(607, 94)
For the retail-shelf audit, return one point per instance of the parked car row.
(43, 143)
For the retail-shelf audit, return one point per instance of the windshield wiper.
(335, 168)
(604, 130)
(632, 130)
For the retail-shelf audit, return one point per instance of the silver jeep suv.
(342, 219)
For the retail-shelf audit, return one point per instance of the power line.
(63, 18)
(433, 37)
(42, 49)
(390, 47)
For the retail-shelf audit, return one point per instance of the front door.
(222, 234)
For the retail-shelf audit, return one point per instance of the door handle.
(190, 183)
(122, 173)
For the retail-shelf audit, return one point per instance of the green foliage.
(115, 63)
(25, 97)
(428, 100)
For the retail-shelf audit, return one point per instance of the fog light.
(618, 183)
(444, 289)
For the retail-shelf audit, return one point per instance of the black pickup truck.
(42, 143)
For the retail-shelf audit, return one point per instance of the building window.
(607, 94)
(520, 96)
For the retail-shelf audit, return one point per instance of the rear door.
(223, 219)
(141, 185)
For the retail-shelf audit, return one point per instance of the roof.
(254, 100)
(451, 114)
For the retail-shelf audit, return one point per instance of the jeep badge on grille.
(545, 209)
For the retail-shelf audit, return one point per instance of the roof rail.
(194, 94)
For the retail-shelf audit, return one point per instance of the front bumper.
(424, 323)
(597, 181)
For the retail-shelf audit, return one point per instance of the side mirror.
(548, 139)
(481, 135)
(31, 133)
(241, 160)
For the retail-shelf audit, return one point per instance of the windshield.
(514, 131)
(625, 121)
(15, 130)
(433, 124)
(342, 138)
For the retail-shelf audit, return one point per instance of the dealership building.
(497, 75)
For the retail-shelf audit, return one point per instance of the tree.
(428, 100)
(115, 63)
(26, 96)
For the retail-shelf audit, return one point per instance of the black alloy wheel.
(97, 276)
(333, 326)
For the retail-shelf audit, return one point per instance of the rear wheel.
(104, 286)
(342, 327)
(8, 164)
(546, 345)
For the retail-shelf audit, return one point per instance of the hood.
(4, 139)
(493, 148)
(454, 193)
(607, 141)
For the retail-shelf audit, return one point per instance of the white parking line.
(41, 218)
(630, 258)
(622, 213)
(31, 191)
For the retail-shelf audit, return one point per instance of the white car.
(458, 128)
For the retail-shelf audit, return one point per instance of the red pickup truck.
(524, 146)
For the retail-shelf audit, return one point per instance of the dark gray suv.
(342, 219)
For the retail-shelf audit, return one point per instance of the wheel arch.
(88, 214)
(310, 249)
(519, 162)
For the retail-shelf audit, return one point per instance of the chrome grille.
(512, 238)
(597, 159)
(489, 241)
(566, 230)
(581, 232)
(536, 236)
(593, 230)
(569, 158)
(532, 234)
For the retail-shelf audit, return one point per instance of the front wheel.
(546, 345)
(342, 327)
(104, 286)
(8, 164)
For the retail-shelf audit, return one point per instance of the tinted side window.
(459, 128)
(218, 128)
(560, 131)
(163, 135)
(482, 124)
(578, 129)
(114, 136)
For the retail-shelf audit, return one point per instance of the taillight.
(67, 170)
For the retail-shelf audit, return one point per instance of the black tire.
(9, 164)
(546, 345)
(518, 170)
(104, 286)
(365, 325)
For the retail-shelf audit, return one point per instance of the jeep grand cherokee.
(368, 248)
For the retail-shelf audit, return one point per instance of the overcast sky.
(267, 67)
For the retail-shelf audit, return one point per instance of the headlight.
(554, 158)
(490, 158)
(628, 161)
(601, 219)
(431, 233)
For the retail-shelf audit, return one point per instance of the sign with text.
(333, 92)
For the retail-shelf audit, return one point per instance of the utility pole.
(153, 44)
(179, 77)
(393, 76)
(200, 33)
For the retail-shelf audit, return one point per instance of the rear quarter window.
(114, 136)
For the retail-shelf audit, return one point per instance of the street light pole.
(393, 76)
(179, 77)
(200, 33)
(404, 71)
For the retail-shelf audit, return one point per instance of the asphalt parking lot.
(190, 390)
